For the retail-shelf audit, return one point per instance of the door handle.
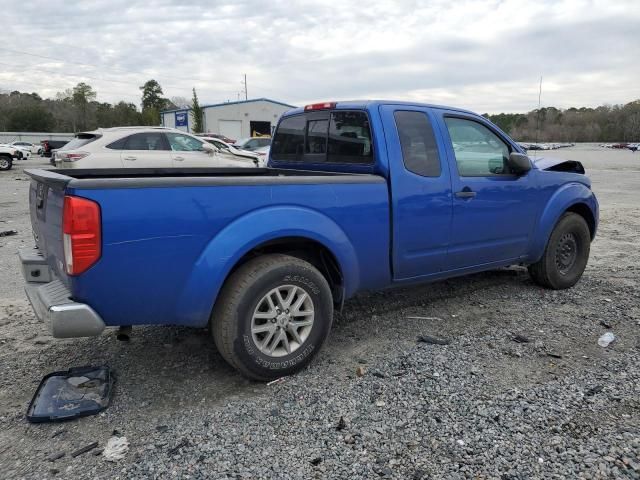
(129, 158)
(466, 192)
(179, 159)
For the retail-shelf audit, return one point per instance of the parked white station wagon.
(143, 147)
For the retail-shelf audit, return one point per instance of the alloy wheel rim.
(282, 320)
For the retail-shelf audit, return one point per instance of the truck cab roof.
(369, 104)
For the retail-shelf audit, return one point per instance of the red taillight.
(320, 106)
(81, 231)
(71, 156)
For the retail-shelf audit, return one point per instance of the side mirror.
(519, 163)
(210, 149)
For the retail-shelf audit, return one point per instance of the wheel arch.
(296, 231)
(304, 248)
(585, 212)
(572, 197)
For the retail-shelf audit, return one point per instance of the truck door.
(421, 199)
(493, 210)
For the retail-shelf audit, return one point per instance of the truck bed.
(172, 236)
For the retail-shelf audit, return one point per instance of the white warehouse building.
(234, 120)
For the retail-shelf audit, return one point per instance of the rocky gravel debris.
(520, 390)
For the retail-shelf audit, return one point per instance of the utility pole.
(538, 113)
(246, 94)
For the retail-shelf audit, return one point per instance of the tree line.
(607, 123)
(76, 109)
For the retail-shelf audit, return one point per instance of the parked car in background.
(233, 152)
(22, 153)
(359, 196)
(142, 147)
(34, 148)
(252, 143)
(263, 154)
(48, 145)
(633, 147)
(52, 159)
(7, 154)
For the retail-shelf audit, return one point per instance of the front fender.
(246, 233)
(563, 199)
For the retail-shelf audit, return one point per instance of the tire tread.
(224, 318)
(539, 271)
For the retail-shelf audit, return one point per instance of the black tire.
(241, 295)
(566, 254)
(6, 162)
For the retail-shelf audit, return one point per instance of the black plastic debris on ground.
(8, 233)
(74, 393)
(521, 339)
(433, 340)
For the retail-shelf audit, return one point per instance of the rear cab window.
(321, 137)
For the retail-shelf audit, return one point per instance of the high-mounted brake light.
(320, 106)
(81, 233)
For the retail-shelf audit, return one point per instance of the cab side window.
(479, 152)
(419, 148)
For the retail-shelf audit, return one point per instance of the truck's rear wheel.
(5, 162)
(566, 254)
(272, 316)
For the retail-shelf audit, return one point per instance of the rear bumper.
(52, 303)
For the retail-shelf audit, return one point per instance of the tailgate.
(46, 199)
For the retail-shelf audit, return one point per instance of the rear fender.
(562, 200)
(248, 232)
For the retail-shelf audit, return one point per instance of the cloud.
(484, 55)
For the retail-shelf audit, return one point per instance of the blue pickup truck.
(357, 196)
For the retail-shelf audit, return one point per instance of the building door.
(260, 128)
(230, 128)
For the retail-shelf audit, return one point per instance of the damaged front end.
(558, 165)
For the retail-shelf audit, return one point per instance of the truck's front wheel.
(566, 254)
(272, 316)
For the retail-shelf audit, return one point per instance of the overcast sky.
(486, 55)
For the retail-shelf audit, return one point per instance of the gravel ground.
(522, 389)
